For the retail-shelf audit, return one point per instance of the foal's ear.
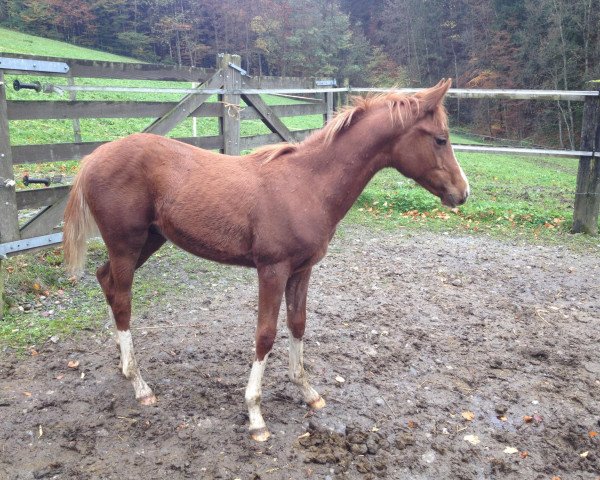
(432, 97)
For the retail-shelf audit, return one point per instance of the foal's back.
(145, 180)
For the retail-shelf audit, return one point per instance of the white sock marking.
(130, 366)
(297, 373)
(253, 394)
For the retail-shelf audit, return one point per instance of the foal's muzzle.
(454, 200)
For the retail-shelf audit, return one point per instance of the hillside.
(12, 41)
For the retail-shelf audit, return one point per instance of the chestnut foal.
(274, 210)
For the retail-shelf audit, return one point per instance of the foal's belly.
(243, 260)
(212, 242)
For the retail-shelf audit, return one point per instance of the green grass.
(507, 192)
(16, 42)
(40, 300)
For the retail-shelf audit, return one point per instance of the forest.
(547, 44)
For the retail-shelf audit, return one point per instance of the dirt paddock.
(438, 356)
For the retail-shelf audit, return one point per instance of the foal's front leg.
(295, 297)
(271, 283)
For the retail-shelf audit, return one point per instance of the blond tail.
(79, 225)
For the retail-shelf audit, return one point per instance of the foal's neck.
(350, 161)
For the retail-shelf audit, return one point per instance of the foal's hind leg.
(103, 276)
(153, 242)
(116, 278)
(295, 297)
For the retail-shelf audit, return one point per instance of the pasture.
(448, 344)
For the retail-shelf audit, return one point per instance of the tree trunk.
(456, 83)
(569, 114)
(178, 47)
(560, 130)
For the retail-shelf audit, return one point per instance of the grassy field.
(528, 198)
(510, 196)
(17, 42)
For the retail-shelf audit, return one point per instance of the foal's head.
(423, 152)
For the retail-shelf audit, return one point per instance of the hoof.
(147, 400)
(318, 404)
(260, 434)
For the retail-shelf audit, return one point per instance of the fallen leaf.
(472, 439)
(27, 394)
(468, 415)
(593, 434)
(528, 419)
(555, 478)
(584, 454)
(34, 352)
(511, 450)
(73, 363)
(524, 454)
(412, 424)
(340, 379)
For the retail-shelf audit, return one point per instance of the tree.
(69, 20)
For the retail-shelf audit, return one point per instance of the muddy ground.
(455, 352)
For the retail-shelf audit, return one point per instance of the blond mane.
(403, 109)
(271, 152)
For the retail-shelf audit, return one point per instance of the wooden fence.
(231, 84)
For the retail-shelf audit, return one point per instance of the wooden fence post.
(76, 124)
(195, 119)
(229, 123)
(329, 102)
(9, 225)
(587, 192)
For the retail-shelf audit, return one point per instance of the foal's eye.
(441, 140)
